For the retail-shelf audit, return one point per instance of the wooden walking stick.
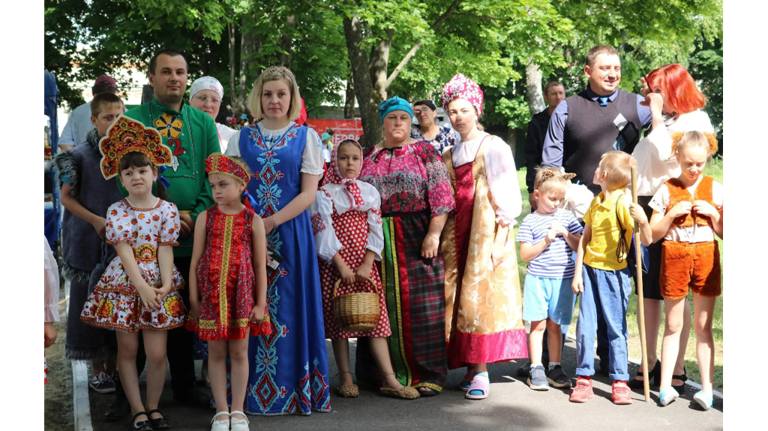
(639, 281)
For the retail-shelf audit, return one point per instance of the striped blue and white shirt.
(556, 260)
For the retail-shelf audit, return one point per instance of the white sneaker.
(220, 425)
(239, 424)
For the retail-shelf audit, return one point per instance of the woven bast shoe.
(348, 391)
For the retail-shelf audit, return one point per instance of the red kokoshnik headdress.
(333, 176)
(220, 164)
(127, 135)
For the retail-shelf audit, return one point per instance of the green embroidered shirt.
(191, 136)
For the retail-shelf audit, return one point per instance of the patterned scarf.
(333, 176)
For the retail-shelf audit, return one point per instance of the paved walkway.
(511, 406)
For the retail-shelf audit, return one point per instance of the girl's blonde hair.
(550, 180)
(682, 140)
(275, 73)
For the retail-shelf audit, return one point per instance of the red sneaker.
(620, 392)
(583, 390)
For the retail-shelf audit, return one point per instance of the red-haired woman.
(676, 104)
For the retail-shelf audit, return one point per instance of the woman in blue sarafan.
(289, 368)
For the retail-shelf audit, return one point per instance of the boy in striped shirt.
(547, 240)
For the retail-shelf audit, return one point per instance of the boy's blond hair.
(102, 101)
(550, 180)
(618, 165)
(275, 73)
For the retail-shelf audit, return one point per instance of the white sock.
(552, 365)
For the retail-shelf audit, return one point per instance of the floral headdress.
(461, 87)
(220, 164)
(127, 135)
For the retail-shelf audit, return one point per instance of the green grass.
(715, 170)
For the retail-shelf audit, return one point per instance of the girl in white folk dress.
(138, 290)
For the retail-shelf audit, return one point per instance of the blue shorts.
(548, 298)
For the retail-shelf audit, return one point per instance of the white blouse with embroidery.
(311, 158)
(501, 171)
(326, 238)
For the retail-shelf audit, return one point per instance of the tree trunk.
(367, 98)
(284, 57)
(533, 94)
(236, 102)
(517, 146)
(349, 101)
(378, 64)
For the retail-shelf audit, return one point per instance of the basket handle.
(375, 288)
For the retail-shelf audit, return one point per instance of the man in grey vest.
(601, 118)
(583, 127)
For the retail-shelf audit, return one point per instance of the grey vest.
(590, 132)
(81, 244)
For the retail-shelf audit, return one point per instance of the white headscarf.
(206, 83)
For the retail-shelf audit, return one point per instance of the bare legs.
(554, 341)
(653, 313)
(217, 372)
(671, 350)
(380, 352)
(154, 347)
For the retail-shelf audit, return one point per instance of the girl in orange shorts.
(686, 216)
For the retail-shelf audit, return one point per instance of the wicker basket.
(356, 312)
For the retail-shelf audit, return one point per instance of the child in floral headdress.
(228, 285)
(346, 220)
(138, 290)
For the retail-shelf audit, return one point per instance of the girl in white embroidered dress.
(346, 221)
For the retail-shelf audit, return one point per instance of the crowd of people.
(231, 245)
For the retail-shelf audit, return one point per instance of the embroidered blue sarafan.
(288, 368)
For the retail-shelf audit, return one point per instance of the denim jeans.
(605, 297)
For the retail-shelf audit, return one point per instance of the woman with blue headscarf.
(416, 199)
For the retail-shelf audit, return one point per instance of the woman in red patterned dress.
(228, 285)
(346, 220)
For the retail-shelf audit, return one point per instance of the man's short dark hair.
(98, 89)
(551, 84)
(169, 52)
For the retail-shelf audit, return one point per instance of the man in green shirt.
(191, 135)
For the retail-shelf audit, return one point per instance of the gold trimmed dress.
(484, 305)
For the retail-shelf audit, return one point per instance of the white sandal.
(220, 425)
(239, 424)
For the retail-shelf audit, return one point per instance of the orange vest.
(679, 193)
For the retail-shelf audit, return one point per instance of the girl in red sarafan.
(346, 221)
(228, 285)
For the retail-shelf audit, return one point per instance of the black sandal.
(684, 377)
(160, 423)
(654, 377)
(143, 425)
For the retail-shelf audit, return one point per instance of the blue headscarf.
(394, 104)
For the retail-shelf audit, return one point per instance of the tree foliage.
(407, 47)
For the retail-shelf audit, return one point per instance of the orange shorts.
(690, 264)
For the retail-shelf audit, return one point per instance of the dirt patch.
(58, 391)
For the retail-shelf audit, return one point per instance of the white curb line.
(81, 402)
(687, 382)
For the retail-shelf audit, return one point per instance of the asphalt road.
(512, 405)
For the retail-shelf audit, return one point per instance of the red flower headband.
(220, 164)
(127, 135)
(461, 87)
